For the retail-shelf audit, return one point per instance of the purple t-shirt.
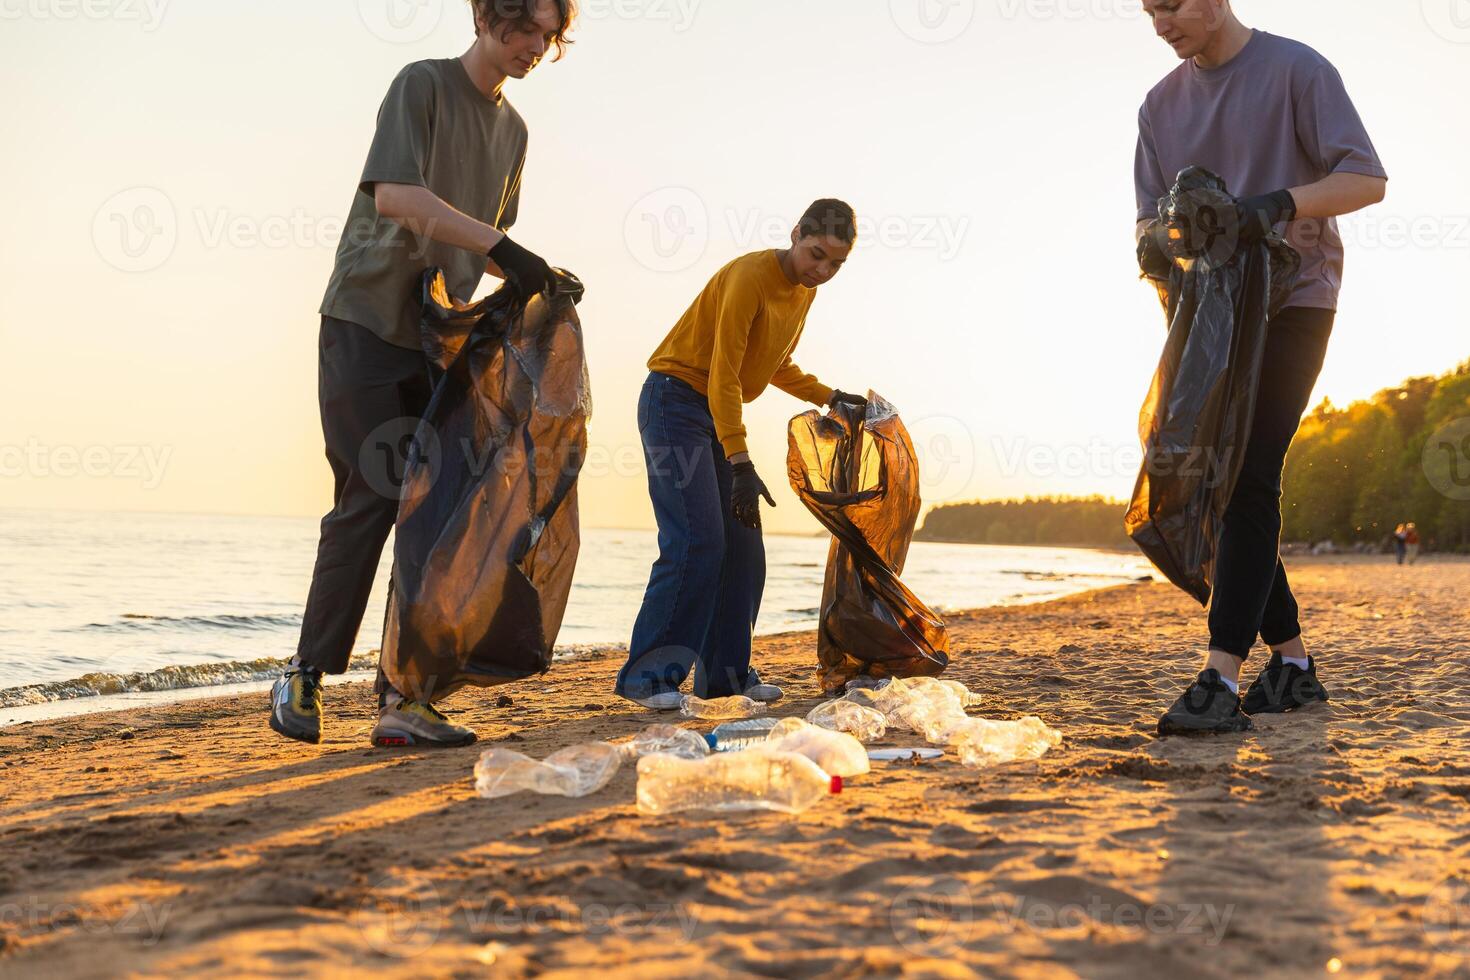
(1275, 116)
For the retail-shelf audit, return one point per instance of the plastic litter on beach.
(578, 770)
(898, 755)
(935, 710)
(862, 723)
(686, 743)
(734, 736)
(738, 706)
(759, 779)
(836, 752)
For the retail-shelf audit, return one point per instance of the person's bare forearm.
(1338, 194)
(427, 215)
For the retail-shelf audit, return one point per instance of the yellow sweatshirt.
(737, 338)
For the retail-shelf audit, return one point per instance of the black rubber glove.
(745, 494)
(1259, 215)
(1153, 257)
(843, 398)
(527, 271)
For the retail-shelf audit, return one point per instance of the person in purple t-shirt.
(1271, 117)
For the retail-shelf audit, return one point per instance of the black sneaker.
(296, 705)
(1282, 687)
(1206, 707)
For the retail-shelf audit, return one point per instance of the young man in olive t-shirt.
(441, 187)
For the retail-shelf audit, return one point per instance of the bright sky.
(987, 144)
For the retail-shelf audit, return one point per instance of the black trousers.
(1252, 596)
(372, 395)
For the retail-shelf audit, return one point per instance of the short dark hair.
(522, 14)
(829, 216)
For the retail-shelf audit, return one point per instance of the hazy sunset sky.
(177, 172)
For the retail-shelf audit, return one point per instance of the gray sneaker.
(296, 705)
(415, 723)
(757, 691)
(663, 701)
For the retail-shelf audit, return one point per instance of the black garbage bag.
(856, 471)
(1197, 418)
(487, 533)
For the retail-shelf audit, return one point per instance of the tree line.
(1352, 476)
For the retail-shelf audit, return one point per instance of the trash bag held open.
(857, 473)
(487, 532)
(1196, 421)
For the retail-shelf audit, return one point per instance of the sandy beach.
(189, 840)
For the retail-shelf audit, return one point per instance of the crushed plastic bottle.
(968, 698)
(836, 752)
(756, 780)
(861, 722)
(738, 706)
(578, 770)
(982, 742)
(733, 736)
(683, 742)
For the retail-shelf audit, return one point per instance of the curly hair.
(521, 14)
(829, 217)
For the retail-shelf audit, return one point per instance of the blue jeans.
(704, 591)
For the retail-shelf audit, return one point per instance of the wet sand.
(188, 838)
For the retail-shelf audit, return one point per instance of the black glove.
(1259, 215)
(843, 398)
(525, 270)
(745, 494)
(1153, 256)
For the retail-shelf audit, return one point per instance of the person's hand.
(843, 398)
(745, 494)
(526, 270)
(1259, 215)
(1153, 253)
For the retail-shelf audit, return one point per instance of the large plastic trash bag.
(487, 532)
(1197, 418)
(857, 473)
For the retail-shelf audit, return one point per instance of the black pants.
(1252, 596)
(372, 395)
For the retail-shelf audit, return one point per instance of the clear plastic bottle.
(733, 736)
(861, 722)
(683, 742)
(738, 706)
(757, 780)
(838, 753)
(574, 771)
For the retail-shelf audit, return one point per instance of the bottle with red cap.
(756, 779)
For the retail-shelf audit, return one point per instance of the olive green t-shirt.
(435, 130)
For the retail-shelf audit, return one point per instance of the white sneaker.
(757, 691)
(665, 701)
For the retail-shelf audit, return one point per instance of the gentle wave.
(137, 621)
(208, 675)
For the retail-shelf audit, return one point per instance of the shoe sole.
(278, 726)
(1167, 728)
(399, 740)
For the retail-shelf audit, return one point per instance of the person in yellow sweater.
(704, 591)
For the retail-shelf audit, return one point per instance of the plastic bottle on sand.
(733, 736)
(738, 706)
(838, 753)
(574, 771)
(683, 742)
(861, 722)
(756, 780)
